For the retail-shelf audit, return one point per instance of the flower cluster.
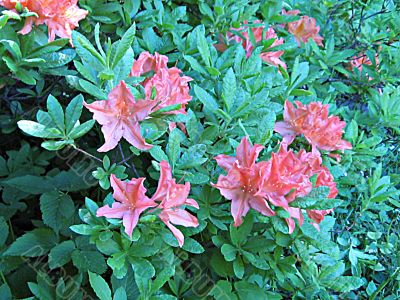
(170, 87)
(170, 197)
(61, 17)
(275, 182)
(320, 130)
(260, 33)
(304, 29)
(121, 113)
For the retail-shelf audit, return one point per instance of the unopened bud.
(18, 7)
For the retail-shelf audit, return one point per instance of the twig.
(124, 161)
(88, 154)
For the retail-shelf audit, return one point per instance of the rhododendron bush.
(210, 149)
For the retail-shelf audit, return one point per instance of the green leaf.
(3, 231)
(238, 267)
(37, 130)
(229, 89)
(192, 157)
(57, 208)
(35, 243)
(83, 46)
(100, 286)
(56, 145)
(202, 46)
(61, 254)
(82, 229)
(124, 44)
(174, 148)
(142, 267)
(120, 294)
(208, 101)
(344, 284)
(81, 130)
(229, 252)
(240, 234)
(73, 112)
(158, 154)
(56, 112)
(316, 200)
(93, 90)
(247, 290)
(13, 47)
(87, 260)
(192, 246)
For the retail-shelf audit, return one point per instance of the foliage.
(53, 181)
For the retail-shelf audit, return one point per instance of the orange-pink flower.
(270, 57)
(304, 29)
(170, 89)
(321, 131)
(130, 201)
(243, 181)
(166, 87)
(120, 116)
(288, 177)
(357, 62)
(147, 62)
(61, 17)
(173, 198)
(277, 182)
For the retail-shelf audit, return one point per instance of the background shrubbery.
(53, 180)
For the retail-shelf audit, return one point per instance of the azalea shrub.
(210, 149)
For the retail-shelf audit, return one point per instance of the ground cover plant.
(211, 149)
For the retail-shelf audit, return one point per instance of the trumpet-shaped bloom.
(243, 181)
(170, 89)
(120, 116)
(304, 29)
(147, 62)
(259, 33)
(61, 17)
(288, 177)
(166, 87)
(173, 197)
(321, 131)
(130, 201)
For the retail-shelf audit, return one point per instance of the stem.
(124, 161)
(87, 154)
(383, 284)
(11, 230)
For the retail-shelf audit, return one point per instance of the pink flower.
(304, 29)
(243, 182)
(147, 62)
(288, 177)
(170, 89)
(130, 201)
(173, 197)
(312, 121)
(120, 116)
(61, 17)
(166, 87)
(271, 57)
